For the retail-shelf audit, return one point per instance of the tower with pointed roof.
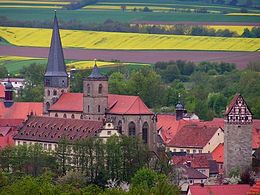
(237, 136)
(8, 101)
(56, 77)
(95, 95)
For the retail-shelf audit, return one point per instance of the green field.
(95, 16)
(15, 63)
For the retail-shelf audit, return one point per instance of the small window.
(88, 88)
(194, 151)
(45, 146)
(24, 143)
(191, 181)
(201, 181)
(88, 108)
(49, 146)
(54, 92)
(81, 116)
(108, 132)
(18, 142)
(98, 108)
(200, 151)
(64, 116)
(72, 116)
(56, 115)
(181, 150)
(100, 88)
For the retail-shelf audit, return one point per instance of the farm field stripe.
(35, 2)
(241, 59)
(35, 37)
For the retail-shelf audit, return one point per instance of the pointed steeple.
(56, 65)
(95, 74)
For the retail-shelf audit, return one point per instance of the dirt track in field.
(241, 59)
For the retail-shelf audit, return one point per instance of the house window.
(72, 116)
(119, 126)
(100, 88)
(200, 151)
(145, 132)
(64, 116)
(181, 150)
(98, 108)
(201, 181)
(188, 151)
(81, 116)
(56, 115)
(54, 92)
(194, 151)
(45, 146)
(191, 181)
(88, 108)
(131, 129)
(108, 132)
(174, 150)
(18, 142)
(49, 146)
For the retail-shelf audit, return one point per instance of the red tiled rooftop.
(20, 110)
(255, 189)
(118, 104)
(52, 129)
(237, 189)
(193, 136)
(218, 153)
(196, 160)
(2, 91)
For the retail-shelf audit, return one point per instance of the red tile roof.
(52, 129)
(193, 136)
(218, 153)
(255, 190)
(20, 110)
(2, 91)
(196, 160)
(169, 126)
(11, 122)
(118, 104)
(238, 189)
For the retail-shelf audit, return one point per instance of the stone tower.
(8, 101)
(95, 95)
(56, 77)
(238, 136)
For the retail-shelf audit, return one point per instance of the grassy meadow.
(35, 37)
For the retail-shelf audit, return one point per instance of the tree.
(3, 71)
(117, 83)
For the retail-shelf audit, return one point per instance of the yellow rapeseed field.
(238, 29)
(33, 2)
(243, 14)
(36, 37)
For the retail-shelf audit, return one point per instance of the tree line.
(114, 26)
(206, 88)
(120, 164)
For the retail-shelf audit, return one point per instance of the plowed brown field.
(241, 59)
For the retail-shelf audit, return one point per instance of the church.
(129, 114)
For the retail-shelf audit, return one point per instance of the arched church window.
(48, 93)
(100, 88)
(72, 116)
(64, 116)
(98, 108)
(47, 106)
(131, 129)
(54, 92)
(88, 88)
(56, 115)
(145, 132)
(119, 126)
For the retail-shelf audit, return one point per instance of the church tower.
(95, 95)
(56, 77)
(238, 136)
